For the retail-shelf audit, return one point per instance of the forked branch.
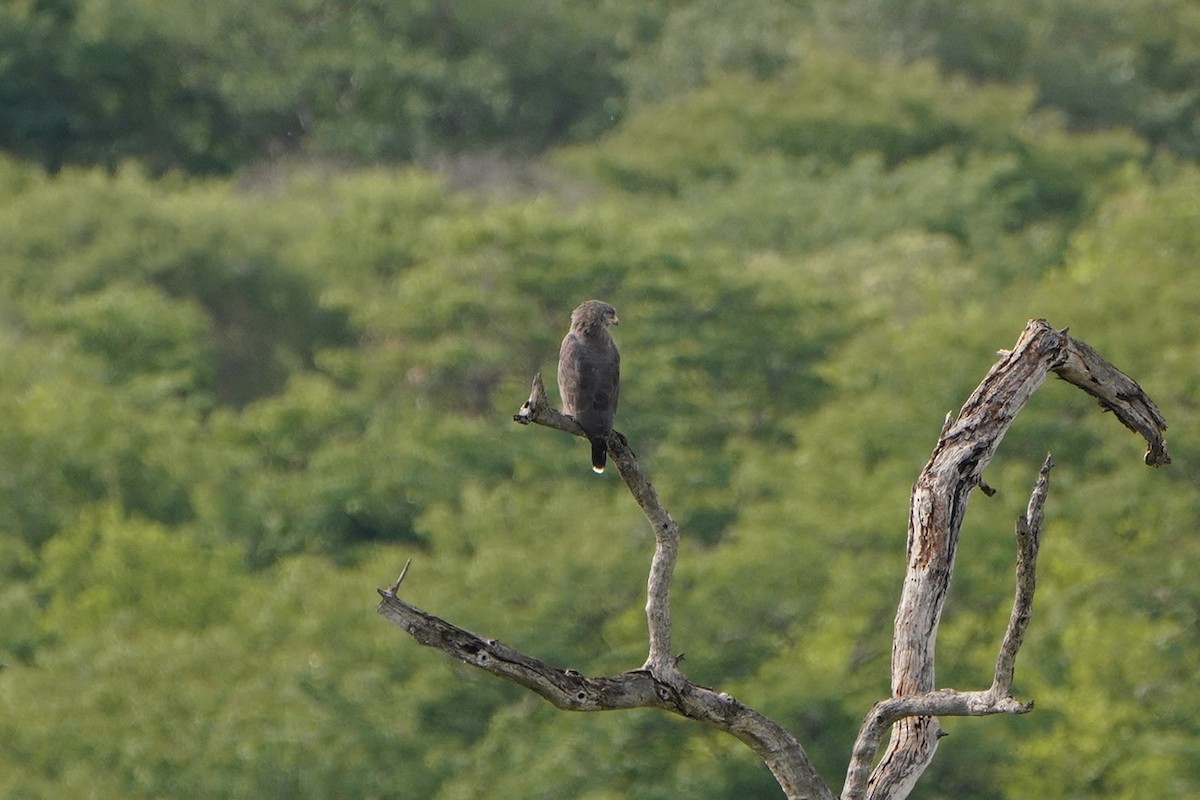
(658, 683)
(537, 409)
(936, 512)
(997, 699)
(939, 499)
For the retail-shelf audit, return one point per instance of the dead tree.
(938, 504)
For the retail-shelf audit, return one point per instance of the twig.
(537, 409)
(1029, 540)
(391, 590)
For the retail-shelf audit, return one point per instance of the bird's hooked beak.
(615, 321)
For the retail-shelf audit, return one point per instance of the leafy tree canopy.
(234, 405)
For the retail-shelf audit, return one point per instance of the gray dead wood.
(936, 512)
(938, 505)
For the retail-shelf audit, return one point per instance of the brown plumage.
(589, 374)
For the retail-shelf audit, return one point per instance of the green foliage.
(211, 87)
(1102, 64)
(686, 45)
(226, 704)
(833, 152)
(136, 573)
(235, 406)
(101, 82)
(208, 87)
(137, 332)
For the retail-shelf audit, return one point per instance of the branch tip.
(391, 590)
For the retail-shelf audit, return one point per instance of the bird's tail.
(599, 456)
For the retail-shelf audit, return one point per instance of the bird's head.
(594, 313)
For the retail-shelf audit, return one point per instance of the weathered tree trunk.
(936, 512)
(938, 506)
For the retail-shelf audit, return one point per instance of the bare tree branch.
(1029, 541)
(939, 499)
(659, 683)
(997, 699)
(936, 512)
(640, 688)
(1117, 392)
(537, 409)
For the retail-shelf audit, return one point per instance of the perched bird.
(589, 374)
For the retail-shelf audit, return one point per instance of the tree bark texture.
(938, 505)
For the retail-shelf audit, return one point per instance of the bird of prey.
(589, 374)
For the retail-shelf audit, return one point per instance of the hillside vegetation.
(274, 278)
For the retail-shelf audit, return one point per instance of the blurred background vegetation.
(274, 276)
